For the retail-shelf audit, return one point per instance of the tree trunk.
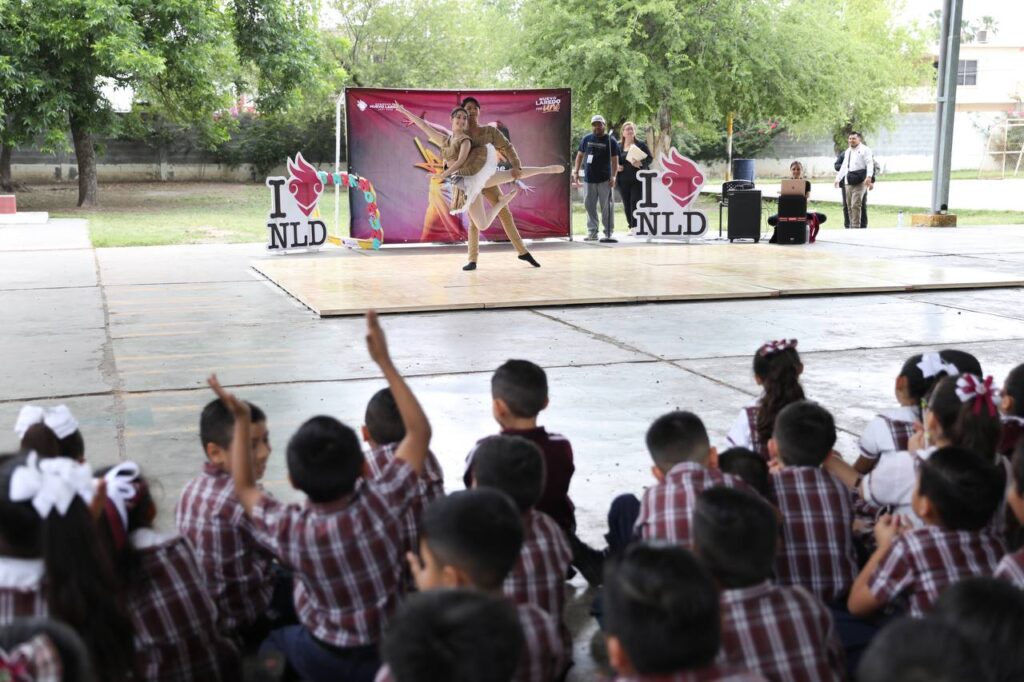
(86, 153)
(661, 138)
(6, 183)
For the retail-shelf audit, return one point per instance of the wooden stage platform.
(429, 278)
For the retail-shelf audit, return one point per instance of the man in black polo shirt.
(600, 152)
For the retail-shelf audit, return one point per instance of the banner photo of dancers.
(396, 137)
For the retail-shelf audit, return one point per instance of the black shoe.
(471, 265)
(529, 259)
(587, 560)
(609, 240)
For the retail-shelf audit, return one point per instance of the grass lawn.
(155, 213)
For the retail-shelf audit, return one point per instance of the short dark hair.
(662, 605)
(978, 431)
(474, 100)
(478, 531)
(678, 437)
(382, 418)
(735, 534)
(990, 612)
(522, 385)
(854, 132)
(965, 488)
(805, 433)
(749, 466)
(216, 423)
(325, 459)
(454, 636)
(1015, 389)
(513, 465)
(920, 650)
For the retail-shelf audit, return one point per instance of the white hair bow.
(58, 419)
(51, 483)
(932, 364)
(121, 487)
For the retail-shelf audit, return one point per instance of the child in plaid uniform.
(685, 465)
(957, 493)
(921, 649)
(1012, 408)
(1011, 567)
(238, 572)
(456, 635)
(176, 636)
(777, 370)
(662, 618)
(782, 632)
(473, 539)
(817, 518)
(990, 612)
(515, 466)
(383, 430)
(344, 546)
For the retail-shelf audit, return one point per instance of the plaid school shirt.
(710, 673)
(923, 562)
(783, 633)
(36, 660)
(666, 510)
(1011, 568)
(543, 658)
(559, 468)
(817, 532)
(21, 589)
(175, 620)
(347, 555)
(889, 431)
(431, 487)
(743, 432)
(235, 568)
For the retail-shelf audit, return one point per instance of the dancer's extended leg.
(503, 176)
(484, 217)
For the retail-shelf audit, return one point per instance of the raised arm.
(432, 133)
(459, 162)
(242, 468)
(412, 448)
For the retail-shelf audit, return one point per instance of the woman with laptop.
(795, 186)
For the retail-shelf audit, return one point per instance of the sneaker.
(609, 240)
(590, 238)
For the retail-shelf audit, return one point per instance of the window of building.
(967, 72)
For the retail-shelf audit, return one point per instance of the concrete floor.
(127, 336)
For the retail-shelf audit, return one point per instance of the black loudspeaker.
(791, 231)
(792, 206)
(745, 214)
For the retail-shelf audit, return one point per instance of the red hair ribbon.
(773, 347)
(980, 391)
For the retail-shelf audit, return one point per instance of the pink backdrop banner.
(404, 166)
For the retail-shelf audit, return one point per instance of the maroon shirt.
(554, 501)
(1013, 429)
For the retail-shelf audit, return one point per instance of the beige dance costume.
(468, 181)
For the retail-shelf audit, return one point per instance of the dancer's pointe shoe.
(471, 265)
(528, 257)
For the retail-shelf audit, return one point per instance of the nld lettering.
(665, 223)
(291, 234)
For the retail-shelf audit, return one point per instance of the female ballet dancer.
(470, 170)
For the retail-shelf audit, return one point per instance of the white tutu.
(472, 185)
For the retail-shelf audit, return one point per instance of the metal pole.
(945, 103)
(728, 150)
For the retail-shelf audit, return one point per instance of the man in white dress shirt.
(858, 163)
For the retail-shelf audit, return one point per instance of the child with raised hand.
(175, 620)
(50, 432)
(662, 618)
(1011, 405)
(816, 508)
(383, 430)
(345, 545)
(1011, 567)
(238, 572)
(780, 631)
(472, 539)
(956, 495)
(455, 635)
(515, 466)
(52, 563)
(890, 431)
(777, 370)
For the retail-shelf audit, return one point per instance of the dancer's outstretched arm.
(501, 177)
(483, 217)
(429, 129)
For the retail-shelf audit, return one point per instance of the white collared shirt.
(857, 159)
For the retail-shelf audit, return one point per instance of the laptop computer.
(792, 187)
